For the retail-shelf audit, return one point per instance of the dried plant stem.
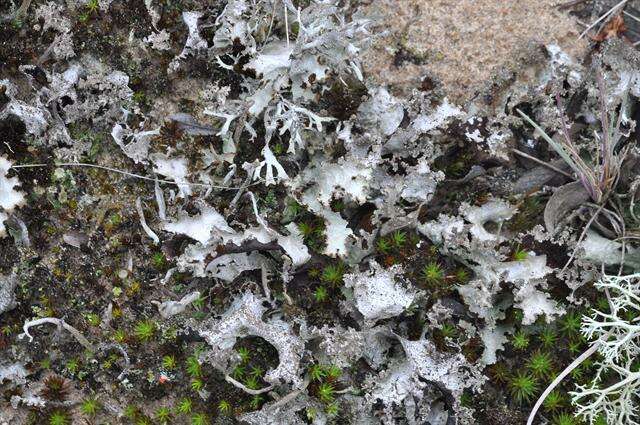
(245, 389)
(574, 364)
(546, 164)
(22, 10)
(60, 324)
(582, 235)
(128, 174)
(604, 17)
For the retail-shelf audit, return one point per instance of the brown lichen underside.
(461, 43)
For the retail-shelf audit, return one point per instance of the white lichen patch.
(204, 227)
(496, 211)
(10, 198)
(379, 293)
(7, 295)
(245, 318)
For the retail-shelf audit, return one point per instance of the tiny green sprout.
(523, 387)
(338, 205)
(520, 340)
(58, 417)
(333, 372)
(185, 406)
(256, 372)
(518, 315)
(72, 366)
(577, 373)
(564, 419)
(93, 319)
(90, 407)
(194, 369)
(317, 372)
(630, 315)
(312, 413)
(603, 304)
(119, 335)
(548, 337)
(197, 385)
(571, 323)
(575, 345)
(320, 294)
(139, 97)
(270, 199)
(199, 315)
(130, 412)
(200, 419)
(540, 364)
(163, 415)
(553, 401)
(326, 392)
(158, 260)
(109, 361)
(332, 274)
(462, 275)
(252, 383)
(306, 229)
(313, 273)
(169, 362)
(466, 399)
(499, 373)
(278, 149)
(600, 420)
(448, 330)
(519, 254)
(383, 245)
(224, 407)
(245, 354)
(114, 219)
(144, 330)
(199, 302)
(143, 420)
(45, 363)
(6, 330)
(92, 6)
(332, 409)
(238, 372)
(587, 364)
(255, 402)
(292, 209)
(432, 273)
(399, 238)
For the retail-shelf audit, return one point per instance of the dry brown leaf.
(614, 28)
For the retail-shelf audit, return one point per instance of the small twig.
(162, 206)
(126, 173)
(582, 235)
(143, 223)
(604, 16)
(286, 22)
(292, 395)
(346, 390)
(245, 389)
(60, 324)
(631, 16)
(22, 9)
(546, 164)
(265, 282)
(244, 186)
